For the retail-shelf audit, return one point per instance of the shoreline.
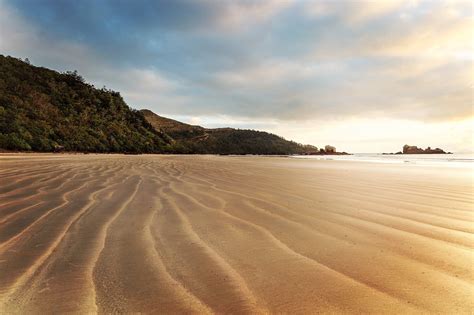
(457, 160)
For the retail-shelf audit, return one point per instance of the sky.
(364, 76)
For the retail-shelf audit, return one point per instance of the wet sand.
(210, 234)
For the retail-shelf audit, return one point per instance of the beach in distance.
(171, 234)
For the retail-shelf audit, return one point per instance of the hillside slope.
(175, 129)
(43, 110)
(196, 139)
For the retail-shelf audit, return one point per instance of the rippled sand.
(208, 234)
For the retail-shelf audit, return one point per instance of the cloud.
(281, 60)
(354, 12)
(21, 39)
(141, 87)
(239, 14)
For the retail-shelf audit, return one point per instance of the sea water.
(455, 159)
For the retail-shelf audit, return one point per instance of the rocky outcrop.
(412, 149)
(327, 150)
(330, 149)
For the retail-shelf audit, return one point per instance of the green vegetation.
(196, 139)
(43, 110)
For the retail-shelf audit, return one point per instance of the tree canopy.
(41, 110)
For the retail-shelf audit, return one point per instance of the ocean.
(454, 160)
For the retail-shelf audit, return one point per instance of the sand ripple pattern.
(233, 235)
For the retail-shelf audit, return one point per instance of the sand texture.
(210, 234)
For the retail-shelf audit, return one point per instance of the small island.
(413, 149)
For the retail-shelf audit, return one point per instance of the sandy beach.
(211, 234)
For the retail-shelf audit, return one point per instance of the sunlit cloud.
(353, 12)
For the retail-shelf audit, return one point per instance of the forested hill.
(197, 139)
(43, 110)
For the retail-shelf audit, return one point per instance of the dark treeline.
(240, 141)
(196, 139)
